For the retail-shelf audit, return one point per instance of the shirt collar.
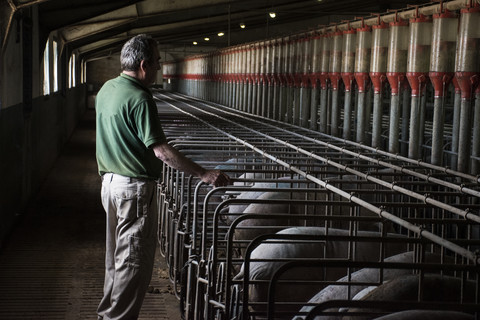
(126, 76)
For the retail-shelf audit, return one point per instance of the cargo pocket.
(135, 252)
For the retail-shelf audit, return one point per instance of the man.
(130, 144)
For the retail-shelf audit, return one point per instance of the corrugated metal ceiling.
(99, 27)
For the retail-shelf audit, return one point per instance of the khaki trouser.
(131, 209)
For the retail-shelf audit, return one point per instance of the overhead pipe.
(396, 69)
(442, 70)
(467, 69)
(362, 67)
(418, 64)
(335, 67)
(378, 75)
(348, 77)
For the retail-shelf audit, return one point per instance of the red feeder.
(348, 58)
(363, 57)
(335, 60)
(419, 53)
(378, 63)
(467, 63)
(325, 59)
(397, 55)
(443, 48)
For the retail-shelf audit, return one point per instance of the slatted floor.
(52, 265)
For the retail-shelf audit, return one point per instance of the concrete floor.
(51, 267)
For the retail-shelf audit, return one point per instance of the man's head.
(140, 56)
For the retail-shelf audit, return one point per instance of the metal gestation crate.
(360, 210)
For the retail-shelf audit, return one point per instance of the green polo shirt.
(127, 127)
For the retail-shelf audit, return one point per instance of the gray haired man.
(131, 147)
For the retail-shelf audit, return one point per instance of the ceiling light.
(242, 25)
(206, 39)
(272, 15)
(221, 34)
(195, 43)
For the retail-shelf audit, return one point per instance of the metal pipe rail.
(374, 150)
(428, 178)
(464, 214)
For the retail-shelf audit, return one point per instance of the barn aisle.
(51, 267)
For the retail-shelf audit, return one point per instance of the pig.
(365, 251)
(435, 288)
(348, 182)
(365, 275)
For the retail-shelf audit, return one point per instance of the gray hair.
(135, 50)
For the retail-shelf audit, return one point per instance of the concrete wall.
(101, 70)
(30, 145)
